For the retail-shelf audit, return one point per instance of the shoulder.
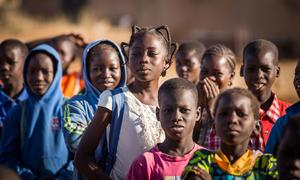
(76, 100)
(266, 163)
(203, 155)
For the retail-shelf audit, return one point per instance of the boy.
(236, 115)
(178, 113)
(289, 150)
(260, 69)
(278, 128)
(12, 91)
(188, 58)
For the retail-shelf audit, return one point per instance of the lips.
(177, 128)
(258, 85)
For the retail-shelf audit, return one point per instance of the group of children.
(192, 127)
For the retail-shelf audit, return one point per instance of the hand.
(79, 39)
(199, 174)
(295, 172)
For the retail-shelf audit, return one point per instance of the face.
(297, 78)
(11, 65)
(234, 120)
(105, 70)
(188, 66)
(66, 53)
(40, 73)
(218, 70)
(260, 73)
(288, 154)
(178, 113)
(147, 58)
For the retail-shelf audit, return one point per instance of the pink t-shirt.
(158, 165)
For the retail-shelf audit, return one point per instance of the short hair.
(192, 46)
(220, 50)
(175, 84)
(9, 44)
(242, 92)
(258, 45)
(63, 38)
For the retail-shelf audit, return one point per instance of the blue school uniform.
(33, 143)
(6, 102)
(278, 128)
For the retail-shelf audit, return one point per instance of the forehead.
(40, 59)
(181, 55)
(234, 100)
(103, 55)
(177, 96)
(148, 39)
(260, 58)
(10, 51)
(215, 62)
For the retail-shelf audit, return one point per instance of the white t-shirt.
(140, 131)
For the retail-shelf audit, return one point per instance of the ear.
(277, 71)
(231, 78)
(242, 71)
(257, 127)
(199, 112)
(157, 113)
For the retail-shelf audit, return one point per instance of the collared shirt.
(6, 102)
(268, 119)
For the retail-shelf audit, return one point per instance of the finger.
(214, 87)
(209, 88)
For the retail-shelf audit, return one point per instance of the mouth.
(5, 75)
(258, 86)
(144, 70)
(177, 128)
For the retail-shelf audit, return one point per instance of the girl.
(33, 143)
(103, 68)
(216, 74)
(150, 55)
(236, 115)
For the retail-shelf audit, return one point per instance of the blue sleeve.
(75, 123)
(10, 152)
(276, 135)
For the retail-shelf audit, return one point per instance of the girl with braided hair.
(132, 108)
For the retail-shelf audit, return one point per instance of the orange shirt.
(71, 84)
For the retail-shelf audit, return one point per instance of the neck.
(146, 92)
(177, 147)
(234, 152)
(266, 101)
(12, 90)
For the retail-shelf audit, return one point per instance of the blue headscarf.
(43, 147)
(91, 91)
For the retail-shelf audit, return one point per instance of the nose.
(259, 73)
(105, 73)
(4, 66)
(177, 116)
(145, 58)
(39, 76)
(212, 78)
(233, 118)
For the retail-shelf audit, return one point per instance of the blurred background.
(230, 22)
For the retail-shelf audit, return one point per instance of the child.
(260, 69)
(33, 143)
(66, 45)
(103, 68)
(178, 111)
(12, 91)
(236, 115)
(150, 55)
(279, 126)
(71, 82)
(188, 59)
(289, 150)
(217, 74)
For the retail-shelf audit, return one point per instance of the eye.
(167, 110)
(114, 69)
(240, 113)
(184, 110)
(266, 69)
(152, 53)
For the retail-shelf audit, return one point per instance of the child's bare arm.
(85, 156)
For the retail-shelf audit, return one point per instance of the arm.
(10, 152)
(75, 123)
(85, 156)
